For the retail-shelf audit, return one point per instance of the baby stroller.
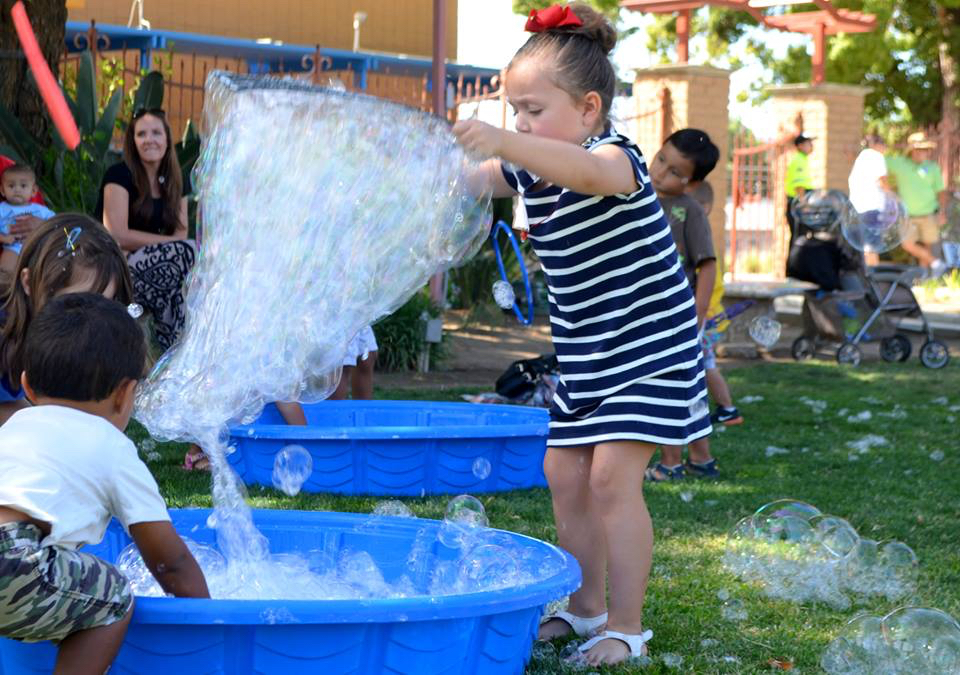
(877, 300)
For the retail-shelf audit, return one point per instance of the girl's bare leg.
(616, 477)
(362, 380)
(578, 531)
(342, 392)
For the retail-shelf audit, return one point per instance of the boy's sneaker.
(726, 416)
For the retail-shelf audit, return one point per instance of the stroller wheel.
(803, 348)
(895, 348)
(934, 354)
(849, 354)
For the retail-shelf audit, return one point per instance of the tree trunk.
(18, 90)
(950, 113)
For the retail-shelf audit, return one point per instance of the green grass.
(892, 492)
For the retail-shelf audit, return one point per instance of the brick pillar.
(697, 98)
(833, 115)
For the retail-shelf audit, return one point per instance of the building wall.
(395, 26)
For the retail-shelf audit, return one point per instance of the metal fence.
(185, 75)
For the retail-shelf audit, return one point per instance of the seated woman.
(143, 204)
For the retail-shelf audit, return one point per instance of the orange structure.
(827, 20)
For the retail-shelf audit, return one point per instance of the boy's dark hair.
(19, 169)
(696, 146)
(81, 347)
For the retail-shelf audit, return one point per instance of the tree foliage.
(900, 60)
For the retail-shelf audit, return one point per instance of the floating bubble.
(503, 294)
(464, 518)
(937, 455)
(734, 610)
(796, 553)
(481, 468)
(135, 310)
(148, 445)
(394, 508)
(543, 651)
(915, 640)
(488, 567)
(686, 496)
(879, 230)
(291, 468)
(671, 660)
(765, 331)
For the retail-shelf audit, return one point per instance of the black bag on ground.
(520, 377)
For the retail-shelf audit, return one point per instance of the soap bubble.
(796, 553)
(135, 310)
(765, 331)
(350, 211)
(392, 507)
(465, 515)
(503, 294)
(915, 640)
(879, 230)
(734, 610)
(291, 468)
(481, 468)
(699, 409)
(487, 567)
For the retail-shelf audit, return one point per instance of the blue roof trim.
(265, 57)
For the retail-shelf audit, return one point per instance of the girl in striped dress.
(621, 311)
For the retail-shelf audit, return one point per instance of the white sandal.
(582, 626)
(637, 644)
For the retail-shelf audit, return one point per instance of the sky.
(489, 33)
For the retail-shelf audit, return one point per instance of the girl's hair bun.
(595, 26)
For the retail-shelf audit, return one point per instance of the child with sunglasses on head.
(69, 253)
(18, 185)
(621, 311)
(67, 470)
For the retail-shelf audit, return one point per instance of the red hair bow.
(554, 16)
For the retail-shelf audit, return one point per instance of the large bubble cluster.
(322, 211)
(476, 559)
(907, 641)
(796, 553)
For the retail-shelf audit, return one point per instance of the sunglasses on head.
(140, 112)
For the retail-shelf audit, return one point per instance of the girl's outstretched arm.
(605, 171)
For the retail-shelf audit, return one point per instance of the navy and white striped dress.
(621, 312)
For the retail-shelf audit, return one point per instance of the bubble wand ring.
(525, 320)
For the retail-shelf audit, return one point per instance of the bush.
(400, 336)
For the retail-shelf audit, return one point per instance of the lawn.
(895, 491)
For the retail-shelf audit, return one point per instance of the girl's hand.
(479, 137)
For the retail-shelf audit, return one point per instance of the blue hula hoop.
(525, 320)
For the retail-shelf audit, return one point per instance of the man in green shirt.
(920, 185)
(798, 179)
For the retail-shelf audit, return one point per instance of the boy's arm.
(169, 559)
(605, 171)
(706, 278)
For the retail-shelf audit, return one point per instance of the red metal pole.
(683, 36)
(819, 53)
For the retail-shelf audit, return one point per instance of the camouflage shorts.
(48, 593)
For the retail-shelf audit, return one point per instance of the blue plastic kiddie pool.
(481, 632)
(402, 448)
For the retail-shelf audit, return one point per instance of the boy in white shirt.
(67, 469)
(868, 184)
